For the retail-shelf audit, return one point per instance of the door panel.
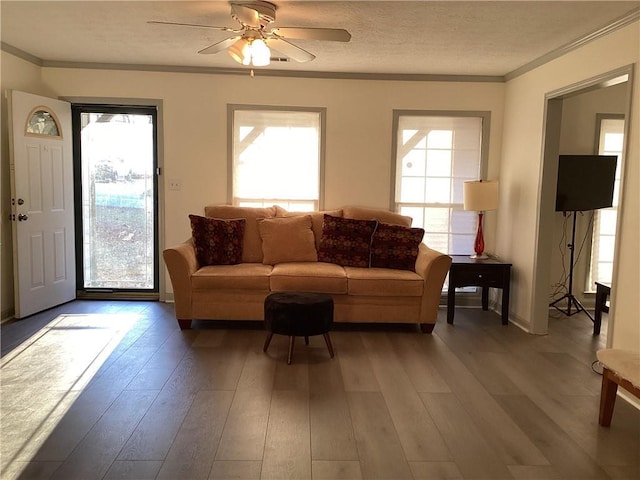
(36, 255)
(41, 168)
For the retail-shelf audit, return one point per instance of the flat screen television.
(585, 182)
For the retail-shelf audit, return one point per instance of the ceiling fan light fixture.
(236, 51)
(250, 51)
(260, 53)
(247, 53)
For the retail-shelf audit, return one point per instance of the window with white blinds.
(276, 157)
(610, 142)
(435, 153)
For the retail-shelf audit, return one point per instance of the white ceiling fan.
(252, 42)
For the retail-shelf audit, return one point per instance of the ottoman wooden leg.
(290, 357)
(327, 340)
(306, 340)
(607, 397)
(267, 341)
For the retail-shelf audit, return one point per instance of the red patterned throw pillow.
(394, 246)
(217, 241)
(346, 241)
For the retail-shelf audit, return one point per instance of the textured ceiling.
(419, 37)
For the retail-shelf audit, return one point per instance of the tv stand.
(571, 299)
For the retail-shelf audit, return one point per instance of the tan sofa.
(237, 292)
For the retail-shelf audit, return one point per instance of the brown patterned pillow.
(394, 246)
(346, 241)
(217, 241)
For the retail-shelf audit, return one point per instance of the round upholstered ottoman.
(298, 314)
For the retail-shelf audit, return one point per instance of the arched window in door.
(42, 122)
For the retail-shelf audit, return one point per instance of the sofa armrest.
(181, 263)
(433, 267)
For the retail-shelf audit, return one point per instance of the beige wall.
(19, 75)
(359, 115)
(358, 137)
(522, 170)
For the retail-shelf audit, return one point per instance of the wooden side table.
(469, 272)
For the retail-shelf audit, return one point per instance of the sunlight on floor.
(42, 378)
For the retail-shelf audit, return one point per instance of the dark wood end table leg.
(506, 288)
(601, 301)
(451, 303)
(485, 298)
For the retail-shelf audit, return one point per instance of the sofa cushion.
(383, 282)
(346, 241)
(252, 246)
(287, 239)
(309, 277)
(385, 216)
(217, 241)
(316, 217)
(395, 246)
(244, 276)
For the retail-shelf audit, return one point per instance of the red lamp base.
(478, 245)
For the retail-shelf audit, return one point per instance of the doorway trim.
(158, 104)
(546, 190)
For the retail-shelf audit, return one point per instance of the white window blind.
(276, 158)
(435, 155)
(610, 142)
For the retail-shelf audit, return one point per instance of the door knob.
(22, 217)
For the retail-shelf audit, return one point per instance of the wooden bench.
(621, 367)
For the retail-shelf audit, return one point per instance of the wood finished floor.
(114, 390)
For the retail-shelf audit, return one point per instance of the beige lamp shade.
(480, 196)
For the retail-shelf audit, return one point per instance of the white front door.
(42, 202)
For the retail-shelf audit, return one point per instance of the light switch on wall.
(174, 184)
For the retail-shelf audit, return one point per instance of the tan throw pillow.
(287, 239)
(316, 217)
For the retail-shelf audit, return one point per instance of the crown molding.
(627, 19)
(16, 52)
(259, 72)
(406, 77)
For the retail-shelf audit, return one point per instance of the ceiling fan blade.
(332, 34)
(155, 22)
(245, 15)
(290, 50)
(219, 46)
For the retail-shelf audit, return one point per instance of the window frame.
(484, 115)
(125, 108)
(600, 118)
(321, 111)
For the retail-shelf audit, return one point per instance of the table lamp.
(480, 196)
